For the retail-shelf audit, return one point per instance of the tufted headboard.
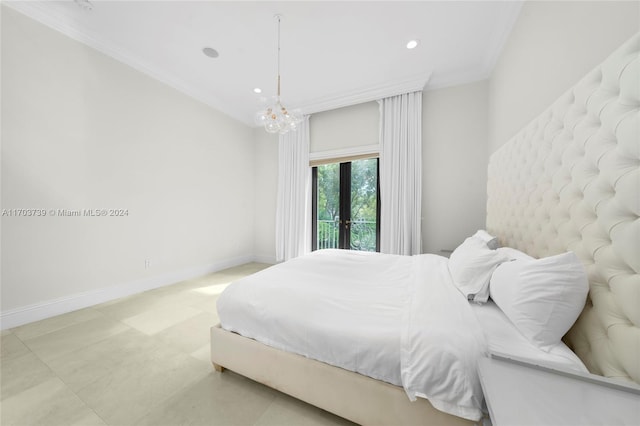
(570, 180)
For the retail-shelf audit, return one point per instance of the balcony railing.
(363, 234)
(328, 232)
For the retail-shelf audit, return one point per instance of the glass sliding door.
(346, 205)
(364, 210)
(326, 188)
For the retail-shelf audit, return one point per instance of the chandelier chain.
(278, 18)
(275, 117)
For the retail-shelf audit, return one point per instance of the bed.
(569, 181)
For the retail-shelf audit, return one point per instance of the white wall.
(551, 47)
(83, 131)
(266, 188)
(454, 165)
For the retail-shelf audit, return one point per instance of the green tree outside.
(364, 181)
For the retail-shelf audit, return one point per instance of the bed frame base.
(358, 398)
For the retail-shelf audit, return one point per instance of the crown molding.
(452, 79)
(366, 94)
(426, 81)
(500, 38)
(38, 12)
(461, 77)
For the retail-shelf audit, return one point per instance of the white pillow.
(471, 265)
(515, 254)
(490, 240)
(541, 297)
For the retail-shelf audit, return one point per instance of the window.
(346, 205)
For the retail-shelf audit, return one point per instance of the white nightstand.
(520, 393)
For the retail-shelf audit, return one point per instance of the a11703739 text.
(101, 212)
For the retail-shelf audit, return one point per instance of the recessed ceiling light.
(412, 44)
(257, 90)
(210, 52)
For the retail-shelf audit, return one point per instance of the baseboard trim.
(265, 259)
(50, 308)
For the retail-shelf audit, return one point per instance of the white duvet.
(394, 318)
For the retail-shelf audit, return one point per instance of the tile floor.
(140, 360)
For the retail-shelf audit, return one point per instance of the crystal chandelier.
(275, 117)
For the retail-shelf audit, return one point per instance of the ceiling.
(332, 53)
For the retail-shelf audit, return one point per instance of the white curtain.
(401, 174)
(293, 210)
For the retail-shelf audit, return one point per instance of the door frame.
(344, 236)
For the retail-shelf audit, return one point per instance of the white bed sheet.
(319, 307)
(504, 338)
(394, 318)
